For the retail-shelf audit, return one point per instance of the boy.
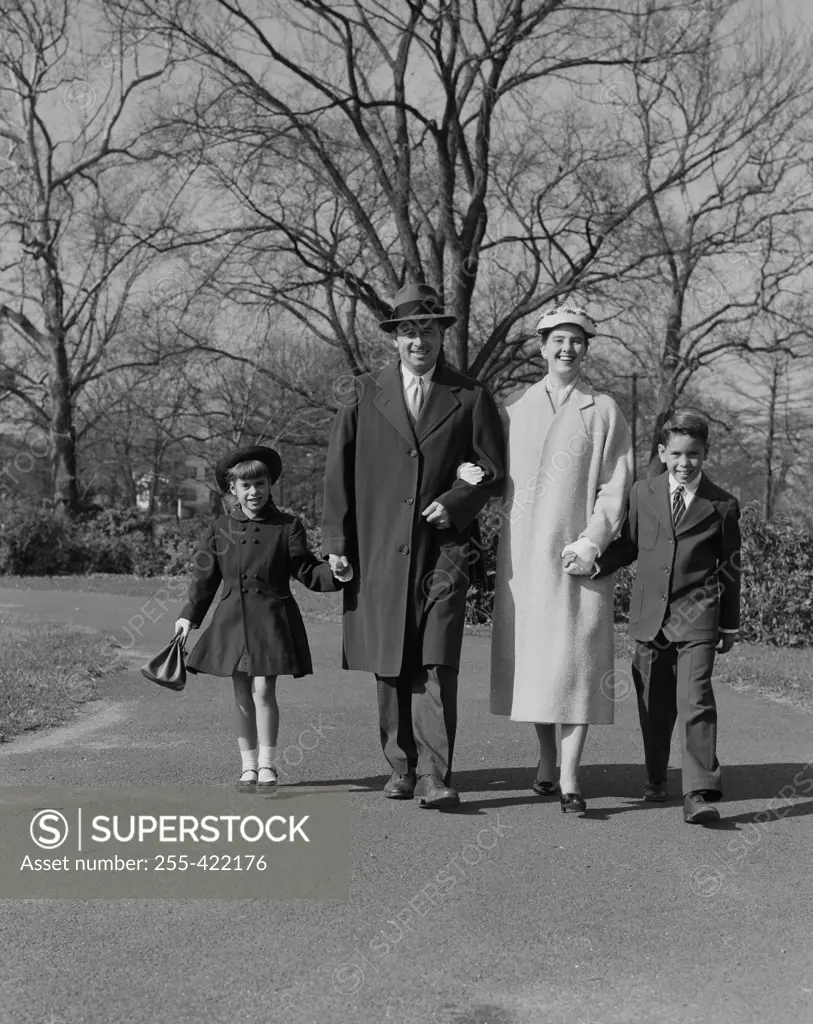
(684, 532)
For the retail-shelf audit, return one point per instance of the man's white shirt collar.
(689, 489)
(407, 376)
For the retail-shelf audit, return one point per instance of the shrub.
(777, 565)
(35, 543)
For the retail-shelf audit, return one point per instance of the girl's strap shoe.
(248, 780)
(267, 779)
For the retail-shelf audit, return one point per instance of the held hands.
(183, 626)
(726, 642)
(579, 557)
(437, 515)
(341, 568)
(469, 473)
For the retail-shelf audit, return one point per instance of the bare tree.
(726, 249)
(371, 143)
(68, 271)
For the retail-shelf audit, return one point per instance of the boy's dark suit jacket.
(688, 580)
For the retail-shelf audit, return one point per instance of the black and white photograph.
(406, 511)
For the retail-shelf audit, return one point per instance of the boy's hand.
(726, 641)
(469, 473)
(579, 557)
(437, 515)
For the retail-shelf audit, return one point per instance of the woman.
(569, 473)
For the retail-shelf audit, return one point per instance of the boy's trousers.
(673, 681)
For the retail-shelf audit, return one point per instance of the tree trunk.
(770, 441)
(667, 392)
(63, 436)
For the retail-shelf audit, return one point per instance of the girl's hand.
(183, 626)
(469, 473)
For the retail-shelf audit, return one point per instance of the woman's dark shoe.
(543, 788)
(572, 802)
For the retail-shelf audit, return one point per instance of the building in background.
(196, 497)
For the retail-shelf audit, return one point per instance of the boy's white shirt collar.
(689, 489)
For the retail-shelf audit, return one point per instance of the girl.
(257, 631)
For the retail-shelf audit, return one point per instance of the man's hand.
(437, 515)
(343, 573)
(339, 564)
(726, 641)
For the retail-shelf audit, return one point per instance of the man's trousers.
(417, 716)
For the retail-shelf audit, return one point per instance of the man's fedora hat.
(417, 302)
(260, 453)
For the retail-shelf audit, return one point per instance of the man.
(396, 509)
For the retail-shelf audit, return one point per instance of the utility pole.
(634, 425)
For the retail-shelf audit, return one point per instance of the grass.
(780, 673)
(46, 673)
(783, 674)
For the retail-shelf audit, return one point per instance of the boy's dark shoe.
(430, 792)
(655, 792)
(400, 787)
(697, 810)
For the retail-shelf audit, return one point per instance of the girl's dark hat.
(267, 456)
(416, 302)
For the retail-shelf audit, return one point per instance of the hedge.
(777, 602)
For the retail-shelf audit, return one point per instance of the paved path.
(623, 916)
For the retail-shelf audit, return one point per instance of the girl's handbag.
(167, 668)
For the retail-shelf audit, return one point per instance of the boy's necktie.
(678, 505)
(415, 394)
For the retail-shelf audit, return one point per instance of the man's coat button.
(404, 549)
(410, 501)
(414, 453)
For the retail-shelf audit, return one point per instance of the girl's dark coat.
(257, 627)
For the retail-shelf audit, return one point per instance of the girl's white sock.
(249, 759)
(268, 757)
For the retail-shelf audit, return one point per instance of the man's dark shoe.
(697, 811)
(430, 792)
(400, 787)
(655, 792)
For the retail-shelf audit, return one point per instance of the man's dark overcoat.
(407, 601)
(257, 627)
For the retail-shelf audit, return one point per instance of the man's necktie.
(415, 395)
(678, 505)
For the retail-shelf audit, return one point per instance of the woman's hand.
(183, 626)
(469, 473)
(579, 557)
